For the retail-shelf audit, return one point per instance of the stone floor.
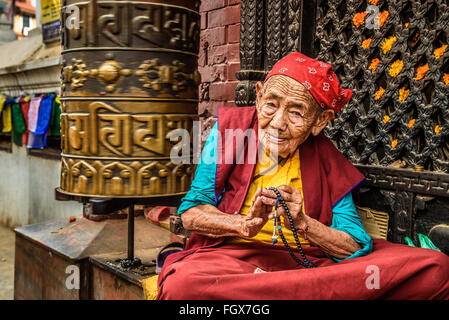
(6, 263)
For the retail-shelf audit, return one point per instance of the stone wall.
(219, 57)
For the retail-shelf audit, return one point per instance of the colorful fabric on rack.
(25, 105)
(38, 137)
(44, 114)
(18, 123)
(55, 120)
(37, 141)
(33, 113)
(2, 102)
(7, 116)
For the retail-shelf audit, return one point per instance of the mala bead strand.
(307, 263)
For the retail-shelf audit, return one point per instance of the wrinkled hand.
(294, 201)
(257, 216)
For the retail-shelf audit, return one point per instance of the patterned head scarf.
(317, 76)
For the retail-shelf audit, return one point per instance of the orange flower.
(440, 51)
(411, 123)
(396, 68)
(394, 143)
(437, 129)
(446, 78)
(383, 16)
(374, 63)
(373, 2)
(359, 18)
(403, 94)
(386, 119)
(387, 44)
(366, 43)
(421, 71)
(379, 93)
(406, 25)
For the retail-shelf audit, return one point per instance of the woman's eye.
(295, 113)
(269, 108)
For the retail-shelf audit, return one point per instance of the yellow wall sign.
(51, 10)
(51, 14)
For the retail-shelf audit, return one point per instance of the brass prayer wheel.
(129, 83)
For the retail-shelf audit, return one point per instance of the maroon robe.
(209, 269)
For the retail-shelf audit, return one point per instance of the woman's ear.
(259, 92)
(321, 121)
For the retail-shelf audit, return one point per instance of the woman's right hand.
(257, 216)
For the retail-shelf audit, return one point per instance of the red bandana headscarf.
(316, 76)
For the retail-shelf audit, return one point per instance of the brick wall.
(219, 57)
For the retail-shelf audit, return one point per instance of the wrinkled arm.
(334, 242)
(207, 220)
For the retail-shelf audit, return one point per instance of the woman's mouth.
(276, 139)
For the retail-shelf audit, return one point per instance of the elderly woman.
(281, 223)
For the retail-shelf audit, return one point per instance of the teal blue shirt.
(345, 217)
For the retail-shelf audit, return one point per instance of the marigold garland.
(396, 68)
(366, 43)
(394, 143)
(373, 2)
(387, 44)
(440, 51)
(383, 16)
(403, 94)
(374, 63)
(421, 71)
(386, 119)
(379, 93)
(411, 123)
(437, 129)
(446, 78)
(359, 18)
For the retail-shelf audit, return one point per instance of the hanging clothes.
(39, 135)
(33, 113)
(7, 116)
(18, 122)
(2, 102)
(25, 106)
(44, 114)
(55, 120)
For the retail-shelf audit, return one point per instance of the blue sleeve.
(202, 189)
(345, 218)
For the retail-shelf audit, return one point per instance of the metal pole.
(131, 233)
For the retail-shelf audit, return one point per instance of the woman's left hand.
(294, 201)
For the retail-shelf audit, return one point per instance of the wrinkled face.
(287, 114)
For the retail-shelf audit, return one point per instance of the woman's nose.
(279, 120)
